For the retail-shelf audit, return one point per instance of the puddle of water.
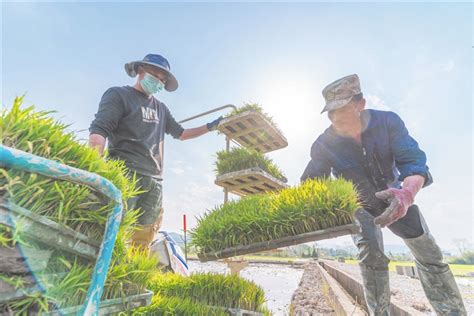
(278, 281)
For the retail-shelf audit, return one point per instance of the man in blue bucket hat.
(374, 150)
(135, 122)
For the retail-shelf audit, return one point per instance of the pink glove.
(400, 200)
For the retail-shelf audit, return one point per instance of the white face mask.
(151, 85)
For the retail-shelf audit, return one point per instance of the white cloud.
(179, 167)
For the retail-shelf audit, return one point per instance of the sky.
(413, 59)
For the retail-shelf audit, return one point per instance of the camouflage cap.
(340, 92)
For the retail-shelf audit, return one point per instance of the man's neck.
(139, 88)
(353, 130)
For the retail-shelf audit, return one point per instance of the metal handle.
(209, 112)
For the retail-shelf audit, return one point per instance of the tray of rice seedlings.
(166, 306)
(213, 293)
(252, 128)
(317, 209)
(68, 210)
(245, 171)
(65, 283)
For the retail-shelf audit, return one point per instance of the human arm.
(177, 131)
(97, 141)
(110, 112)
(410, 160)
(190, 133)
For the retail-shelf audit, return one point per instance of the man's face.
(346, 115)
(154, 71)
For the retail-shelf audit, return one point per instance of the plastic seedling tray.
(238, 311)
(111, 306)
(280, 243)
(249, 181)
(242, 312)
(252, 129)
(42, 230)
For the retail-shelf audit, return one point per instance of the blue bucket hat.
(157, 61)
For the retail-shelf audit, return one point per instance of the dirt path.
(310, 297)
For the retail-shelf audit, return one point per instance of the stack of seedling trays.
(256, 132)
(51, 229)
(24, 267)
(269, 215)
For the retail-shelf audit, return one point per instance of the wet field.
(278, 281)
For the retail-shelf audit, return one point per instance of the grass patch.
(239, 158)
(314, 205)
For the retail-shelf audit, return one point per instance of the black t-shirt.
(135, 126)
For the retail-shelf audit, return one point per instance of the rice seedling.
(128, 276)
(239, 158)
(253, 107)
(314, 205)
(228, 291)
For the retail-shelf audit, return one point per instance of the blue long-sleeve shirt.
(387, 155)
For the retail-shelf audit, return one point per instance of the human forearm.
(98, 142)
(413, 184)
(193, 132)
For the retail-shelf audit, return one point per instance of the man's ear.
(140, 71)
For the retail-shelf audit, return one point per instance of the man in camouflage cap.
(374, 150)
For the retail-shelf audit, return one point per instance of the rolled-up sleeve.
(172, 128)
(111, 109)
(409, 158)
(319, 165)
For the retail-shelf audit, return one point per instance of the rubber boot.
(373, 264)
(376, 291)
(437, 279)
